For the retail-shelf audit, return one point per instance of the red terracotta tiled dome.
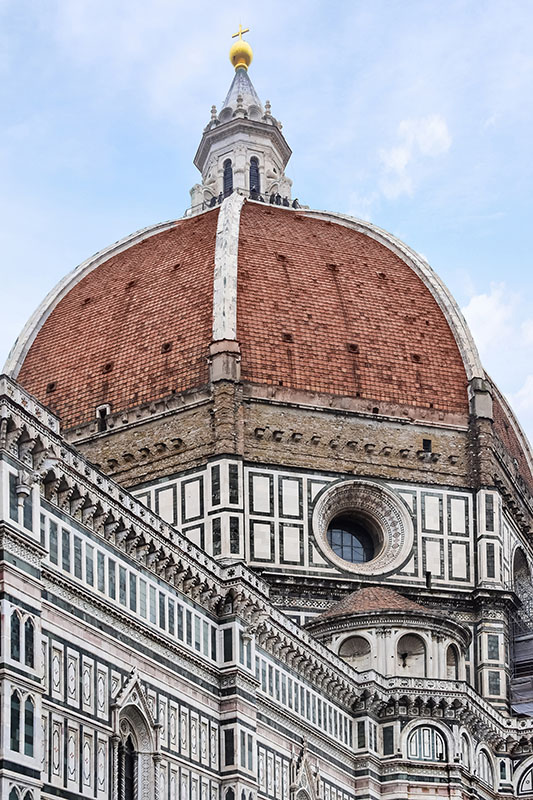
(370, 599)
(321, 307)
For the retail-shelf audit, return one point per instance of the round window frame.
(382, 507)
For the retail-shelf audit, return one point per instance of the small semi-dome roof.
(325, 305)
(370, 599)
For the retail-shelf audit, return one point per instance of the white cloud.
(503, 332)
(423, 137)
(430, 135)
(522, 400)
(361, 205)
(526, 330)
(490, 316)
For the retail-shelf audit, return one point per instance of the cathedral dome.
(326, 307)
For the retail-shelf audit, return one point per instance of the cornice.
(236, 126)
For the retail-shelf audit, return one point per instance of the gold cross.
(240, 32)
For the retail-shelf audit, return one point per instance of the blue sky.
(415, 115)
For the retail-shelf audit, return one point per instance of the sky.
(414, 114)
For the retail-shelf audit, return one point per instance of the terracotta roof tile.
(323, 308)
(504, 429)
(320, 308)
(135, 329)
(372, 598)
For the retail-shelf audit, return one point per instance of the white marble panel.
(458, 516)
(261, 494)
(262, 541)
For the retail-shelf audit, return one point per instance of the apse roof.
(370, 599)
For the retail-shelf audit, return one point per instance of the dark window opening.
(426, 445)
(494, 683)
(13, 498)
(491, 565)
(351, 539)
(228, 645)
(53, 542)
(489, 512)
(29, 639)
(388, 740)
(77, 557)
(229, 749)
(217, 538)
(15, 722)
(255, 185)
(234, 535)
(102, 413)
(127, 770)
(15, 637)
(28, 727)
(215, 485)
(233, 483)
(228, 178)
(65, 550)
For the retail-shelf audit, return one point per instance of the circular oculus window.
(354, 538)
(363, 527)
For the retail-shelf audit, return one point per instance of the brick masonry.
(324, 308)
(132, 331)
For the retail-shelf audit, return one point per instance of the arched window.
(452, 663)
(230, 795)
(15, 636)
(411, 656)
(484, 768)
(13, 794)
(15, 722)
(228, 178)
(255, 184)
(28, 727)
(132, 755)
(426, 744)
(465, 752)
(357, 652)
(28, 795)
(29, 643)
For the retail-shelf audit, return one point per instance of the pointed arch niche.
(135, 744)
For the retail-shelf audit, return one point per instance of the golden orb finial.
(241, 53)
